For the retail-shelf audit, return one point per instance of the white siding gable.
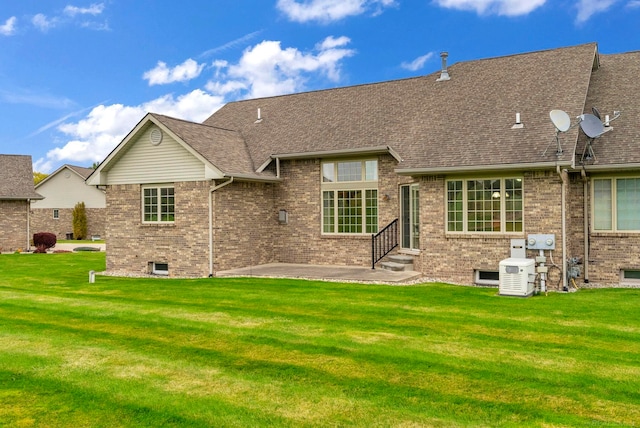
(66, 189)
(146, 162)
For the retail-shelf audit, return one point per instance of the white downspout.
(585, 190)
(211, 190)
(564, 176)
(28, 246)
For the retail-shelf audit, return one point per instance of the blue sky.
(76, 76)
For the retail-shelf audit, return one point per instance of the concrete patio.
(327, 273)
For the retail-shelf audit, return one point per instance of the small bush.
(79, 221)
(43, 241)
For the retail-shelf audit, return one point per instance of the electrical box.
(541, 242)
(517, 277)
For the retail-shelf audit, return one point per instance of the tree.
(79, 221)
(39, 176)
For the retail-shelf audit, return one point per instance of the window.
(158, 205)
(157, 268)
(616, 204)
(350, 197)
(485, 205)
(410, 216)
(487, 277)
(56, 214)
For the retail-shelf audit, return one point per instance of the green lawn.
(261, 352)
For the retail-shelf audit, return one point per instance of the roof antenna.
(444, 75)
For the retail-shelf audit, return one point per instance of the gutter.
(211, 190)
(488, 168)
(585, 208)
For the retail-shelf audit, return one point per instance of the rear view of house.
(460, 162)
(16, 193)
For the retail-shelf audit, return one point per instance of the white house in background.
(62, 190)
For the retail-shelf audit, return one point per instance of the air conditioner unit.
(517, 277)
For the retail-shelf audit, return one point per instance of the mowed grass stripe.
(303, 353)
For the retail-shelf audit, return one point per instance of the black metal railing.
(383, 242)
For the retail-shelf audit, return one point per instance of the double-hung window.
(485, 205)
(350, 196)
(158, 204)
(616, 204)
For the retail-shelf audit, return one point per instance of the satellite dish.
(596, 113)
(560, 119)
(592, 126)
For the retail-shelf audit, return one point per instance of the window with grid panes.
(158, 204)
(485, 205)
(350, 196)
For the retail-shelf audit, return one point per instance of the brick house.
(466, 159)
(62, 190)
(16, 192)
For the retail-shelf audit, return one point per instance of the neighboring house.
(466, 158)
(16, 192)
(62, 190)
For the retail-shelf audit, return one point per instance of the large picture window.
(350, 196)
(616, 204)
(158, 204)
(485, 205)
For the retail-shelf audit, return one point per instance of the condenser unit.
(517, 277)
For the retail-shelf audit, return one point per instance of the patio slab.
(327, 273)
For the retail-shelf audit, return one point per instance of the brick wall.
(454, 257)
(13, 225)
(42, 221)
(184, 245)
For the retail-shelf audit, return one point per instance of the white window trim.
(614, 206)
(628, 281)
(465, 212)
(156, 271)
(363, 185)
(483, 281)
(158, 187)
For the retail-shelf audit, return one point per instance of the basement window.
(487, 277)
(158, 268)
(630, 276)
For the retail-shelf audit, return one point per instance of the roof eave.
(364, 151)
(254, 178)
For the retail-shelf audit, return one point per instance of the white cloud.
(162, 75)
(268, 70)
(329, 10)
(588, 8)
(9, 27)
(95, 9)
(417, 63)
(43, 23)
(265, 69)
(497, 7)
(633, 4)
(92, 138)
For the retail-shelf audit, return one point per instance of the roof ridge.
(190, 122)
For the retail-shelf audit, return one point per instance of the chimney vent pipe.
(444, 74)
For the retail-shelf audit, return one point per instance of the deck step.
(397, 267)
(402, 259)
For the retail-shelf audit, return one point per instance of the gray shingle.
(16, 178)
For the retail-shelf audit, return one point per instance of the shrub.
(43, 241)
(79, 221)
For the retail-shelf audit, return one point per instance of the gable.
(65, 189)
(155, 156)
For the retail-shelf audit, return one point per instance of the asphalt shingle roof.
(16, 178)
(460, 123)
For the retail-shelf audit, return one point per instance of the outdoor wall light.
(283, 217)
